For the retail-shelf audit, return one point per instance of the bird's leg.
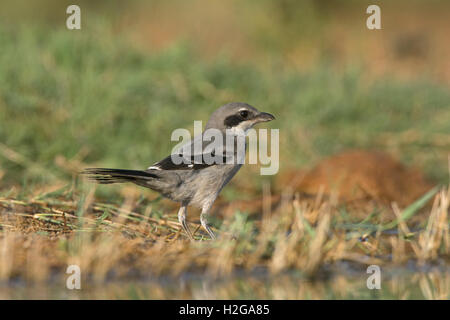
(204, 222)
(182, 220)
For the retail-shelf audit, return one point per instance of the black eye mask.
(235, 119)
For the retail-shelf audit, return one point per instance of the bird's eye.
(243, 114)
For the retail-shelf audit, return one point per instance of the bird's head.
(237, 116)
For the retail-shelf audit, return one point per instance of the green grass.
(94, 97)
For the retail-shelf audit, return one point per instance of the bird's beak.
(264, 117)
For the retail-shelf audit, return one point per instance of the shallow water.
(398, 284)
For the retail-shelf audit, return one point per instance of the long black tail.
(107, 176)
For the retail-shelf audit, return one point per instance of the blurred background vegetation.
(111, 93)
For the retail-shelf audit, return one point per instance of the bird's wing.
(187, 158)
(168, 164)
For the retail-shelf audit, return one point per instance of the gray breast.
(201, 187)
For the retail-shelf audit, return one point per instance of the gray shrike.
(193, 181)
